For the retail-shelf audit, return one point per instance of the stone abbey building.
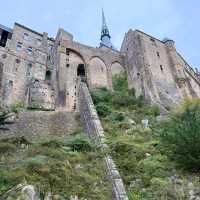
(44, 73)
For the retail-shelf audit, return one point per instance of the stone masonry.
(43, 72)
(95, 131)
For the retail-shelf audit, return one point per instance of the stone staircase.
(95, 131)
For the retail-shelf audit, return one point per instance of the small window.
(19, 46)
(67, 65)
(17, 61)
(138, 74)
(161, 68)
(26, 36)
(67, 52)
(10, 84)
(158, 54)
(39, 42)
(30, 50)
(48, 57)
(29, 69)
(153, 41)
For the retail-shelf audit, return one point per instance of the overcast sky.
(175, 19)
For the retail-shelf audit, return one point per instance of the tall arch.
(116, 68)
(98, 73)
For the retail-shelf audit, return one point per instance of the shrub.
(16, 107)
(123, 99)
(116, 116)
(80, 143)
(6, 148)
(181, 135)
(101, 95)
(152, 110)
(120, 82)
(103, 110)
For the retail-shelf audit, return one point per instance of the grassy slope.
(138, 152)
(66, 166)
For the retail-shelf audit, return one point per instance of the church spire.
(105, 35)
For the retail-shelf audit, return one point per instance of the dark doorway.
(48, 75)
(81, 72)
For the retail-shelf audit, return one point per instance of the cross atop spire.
(105, 35)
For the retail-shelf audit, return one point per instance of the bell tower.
(105, 35)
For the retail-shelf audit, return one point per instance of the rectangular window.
(38, 42)
(158, 54)
(30, 50)
(153, 41)
(161, 68)
(26, 36)
(19, 46)
(67, 52)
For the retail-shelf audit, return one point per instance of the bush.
(152, 110)
(123, 99)
(103, 110)
(81, 144)
(181, 135)
(116, 116)
(6, 148)
(120, 82)
(101, 95)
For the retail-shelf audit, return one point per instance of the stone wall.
(95, 131)
(36, 124)
(157, 71)
(20, 64)
(41, 96)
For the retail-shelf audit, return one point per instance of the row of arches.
(94, 72)
(97, 72)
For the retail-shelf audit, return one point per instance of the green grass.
(64, 166)
(138, 152)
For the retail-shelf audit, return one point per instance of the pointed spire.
(104, 29)
(105, 35)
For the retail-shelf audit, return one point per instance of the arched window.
(48, 75)
(81, 71)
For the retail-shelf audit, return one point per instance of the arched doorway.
(81, 72)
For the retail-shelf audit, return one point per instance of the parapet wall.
(95, 131)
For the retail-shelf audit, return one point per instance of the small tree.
(181, 135)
